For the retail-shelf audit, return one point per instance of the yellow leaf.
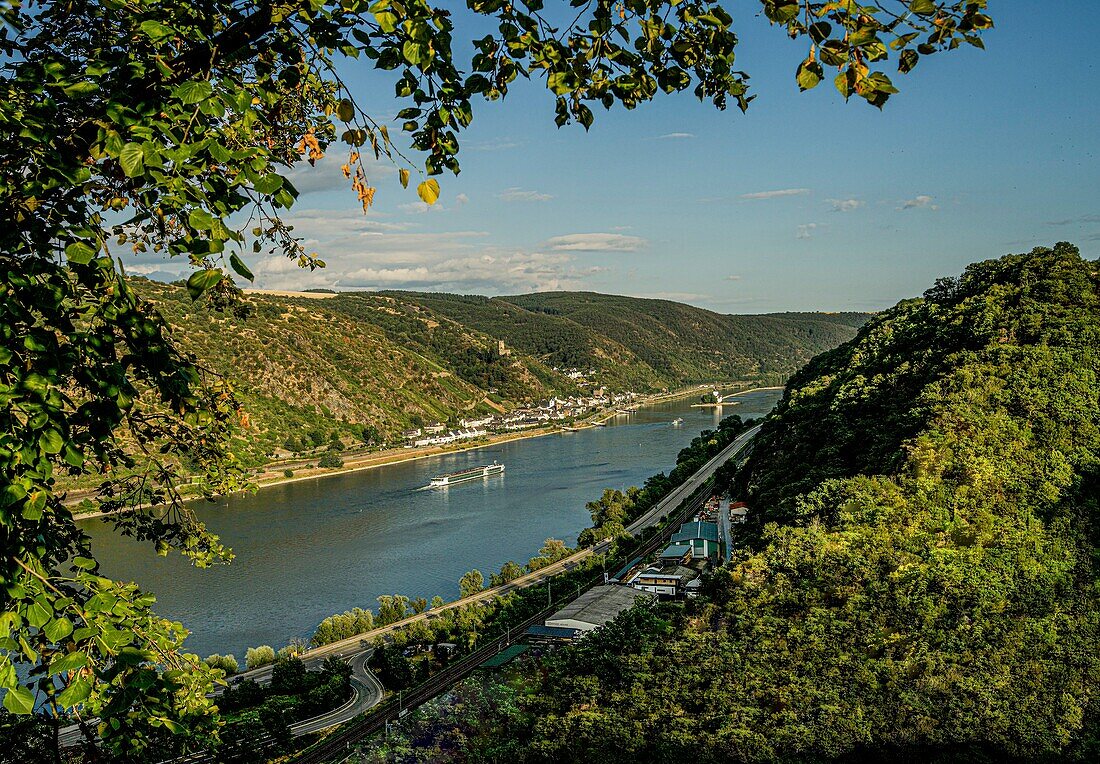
(404, 178)
(428, 191)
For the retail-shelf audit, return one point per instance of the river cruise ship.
(473, 473)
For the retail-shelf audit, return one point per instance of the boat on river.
(677, 421)
(472, 473)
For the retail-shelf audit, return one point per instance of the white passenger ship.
(473, 473)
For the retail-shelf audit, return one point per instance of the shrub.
(226, 663)
(259, 656)
(330, 461)
(288, 473)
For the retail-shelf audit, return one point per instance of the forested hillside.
(356, 366)
(645, 342)
(920, 582)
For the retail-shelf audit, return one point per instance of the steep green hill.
(314, 370)
(920, 580)
(554, 340)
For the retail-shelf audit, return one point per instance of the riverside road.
(368, 692)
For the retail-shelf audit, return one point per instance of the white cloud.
(479, 272)
(520, 195)
(461, 199)
(596, 242)
(676, 136)
(917, 202)
(776, 194)
(160, 265)
(733, 278)
(805, 231)
(362, 253)
(329, 223)
(417, 208)
(326, 175)
(845, 205)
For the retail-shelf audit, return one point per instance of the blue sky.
(803, 203)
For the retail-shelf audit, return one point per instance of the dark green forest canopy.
(921, 579)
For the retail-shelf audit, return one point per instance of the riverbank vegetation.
(615, 510)
(919, 581)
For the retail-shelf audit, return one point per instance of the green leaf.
(386, 20)
(68, 662)
(81, 88)
(907, 60)
(200, 219)
(413, 52)
(268, 184)
(51, 442)
(84, 563)
(558, 82)
(428, 191)
(194, 91)
(72, 455)
(584, 116)
(820, 31)
(841, 82)
(19, 700)
(200, 281)
(809, 74)
(238, 265)
(59, 628)
(132, 159)
(79, 253)
(219, 152)
(8, 677)
(923, 7)
(34, 505)
(8, 621)
(37, 616)
(77, 692)
(156, 30)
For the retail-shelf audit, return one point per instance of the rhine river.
(308, 549)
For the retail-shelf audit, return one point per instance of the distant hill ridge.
(664, 343)
(322, 369)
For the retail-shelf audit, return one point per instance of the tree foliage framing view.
(168, 126)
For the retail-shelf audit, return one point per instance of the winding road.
(367, 692)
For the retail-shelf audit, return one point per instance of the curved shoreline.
(395, 457)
